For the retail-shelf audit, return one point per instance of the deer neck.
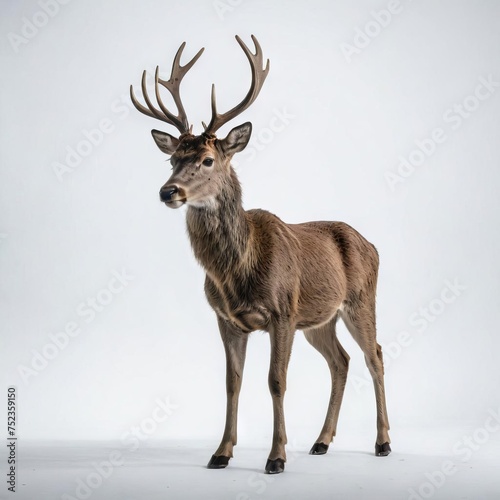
(220, 232)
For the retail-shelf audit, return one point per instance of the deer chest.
(237, 306)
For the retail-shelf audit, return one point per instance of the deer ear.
(237, 139)
(166, 142)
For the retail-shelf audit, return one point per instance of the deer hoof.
(218, 462)
(382, 450)
(319, 449)
(275, 466)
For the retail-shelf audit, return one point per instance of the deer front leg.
(235, 345)
(281, 347)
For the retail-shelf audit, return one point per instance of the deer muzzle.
(173, 196)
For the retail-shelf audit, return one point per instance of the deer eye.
(208, 162)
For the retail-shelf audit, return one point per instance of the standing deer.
(264, 274)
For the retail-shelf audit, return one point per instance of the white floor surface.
(441, 464)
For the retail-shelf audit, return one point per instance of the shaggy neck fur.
(220, 232)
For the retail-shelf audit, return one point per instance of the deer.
(263, 274)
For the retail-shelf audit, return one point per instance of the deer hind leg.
(235, 344)
(360, 321)
(325, 340)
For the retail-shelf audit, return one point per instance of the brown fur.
(264, 274)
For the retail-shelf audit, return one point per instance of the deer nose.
(166, 193)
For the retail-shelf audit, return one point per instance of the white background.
(351, 117)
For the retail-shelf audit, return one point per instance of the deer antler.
(258, 77)
(180, 121)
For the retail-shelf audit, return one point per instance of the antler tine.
(137, 104)
(180, 121)
(258, 77)
(151, 110)
(179, 71)
(173, 84)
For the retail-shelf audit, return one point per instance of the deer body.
(260, 269)
(264, 274)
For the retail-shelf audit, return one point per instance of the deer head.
(200, 163)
